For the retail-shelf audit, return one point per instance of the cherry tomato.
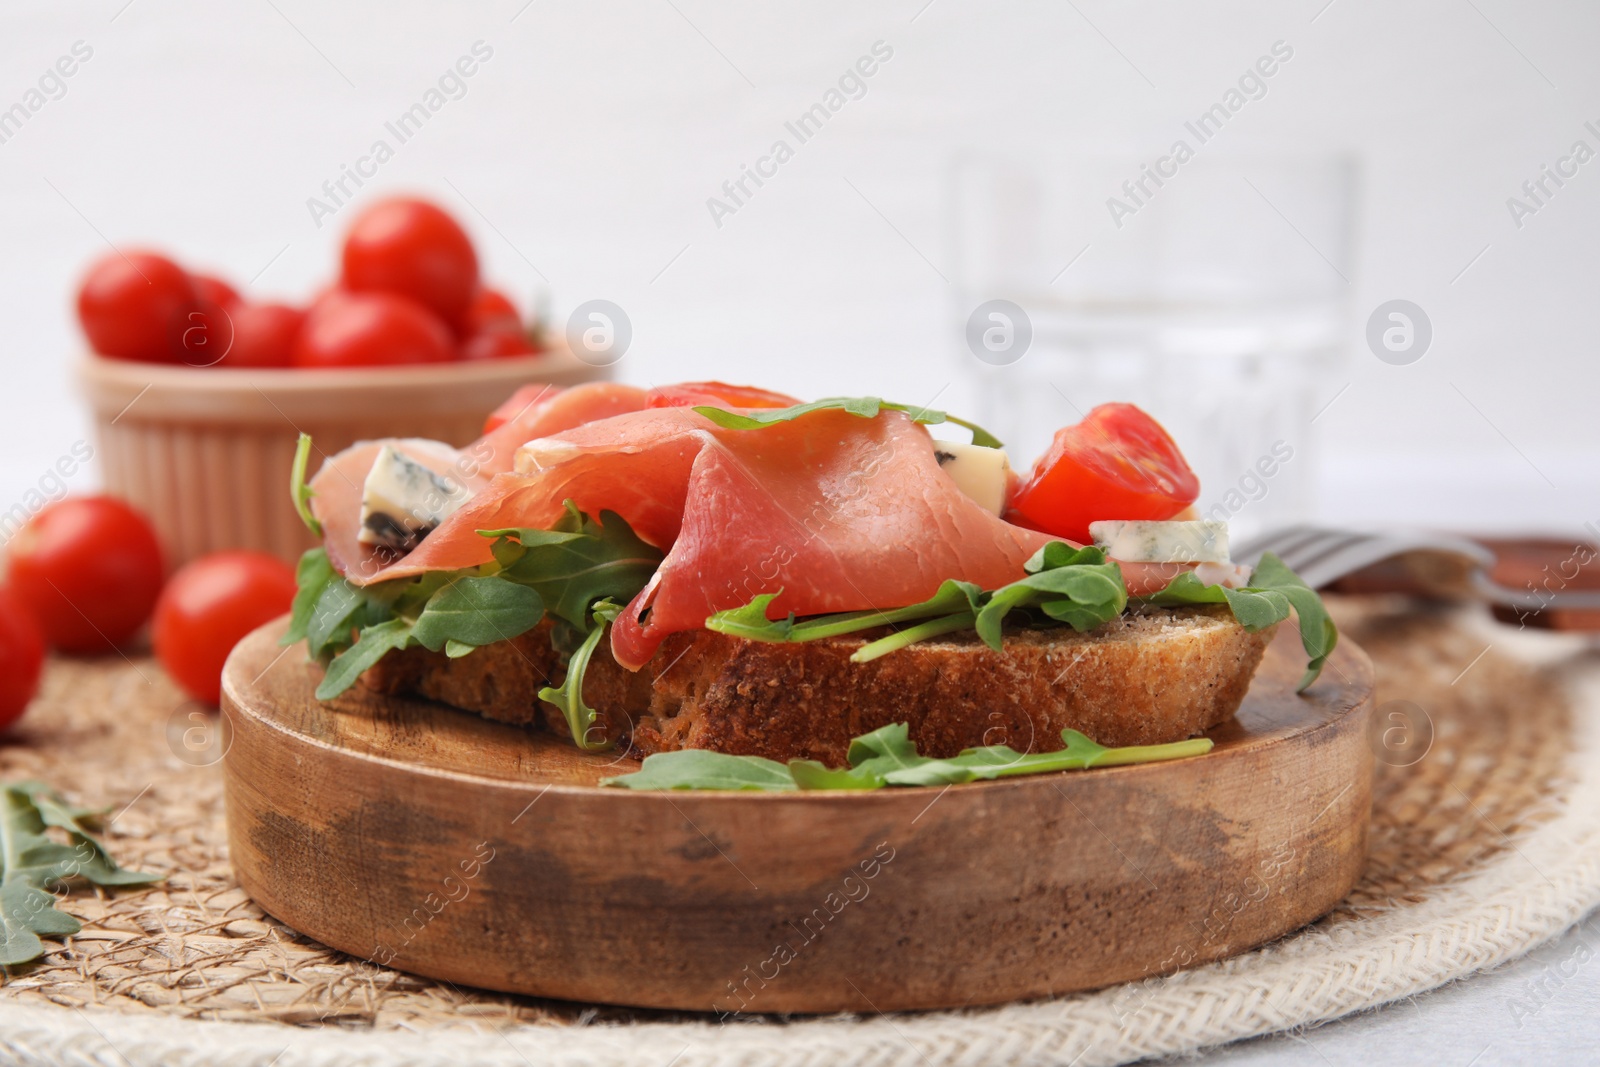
(214, 290)
(208, 606)
(263, 335)
(412, 248)
(369, 330)
(1118, 463)
(21, 657)
(497, 344)
(207, 335)
(721, 394)
(490, 310)
(135, 306)
(89, 568)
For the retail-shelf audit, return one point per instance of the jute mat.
(1485, 843)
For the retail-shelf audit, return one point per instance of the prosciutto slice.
(833, 511)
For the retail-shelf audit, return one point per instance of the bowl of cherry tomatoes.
(199, 395)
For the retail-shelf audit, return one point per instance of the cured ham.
(838, 512)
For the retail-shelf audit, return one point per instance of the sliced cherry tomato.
(21, 657)
(490, 310)
(497, 344)
(1118, 463)
(89, 568)
(136, 306)
(412, 248)
(208, 606)
(369, 330)
(721, 394)
(263, 335)
(214, 290)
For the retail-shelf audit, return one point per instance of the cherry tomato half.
(1118, 463)
(214, 290)
(89, 568)
(720, 394)
(208, 606)
(263, 335)
(21, 657)
(136, 306)
(369, 330)
(412, 248)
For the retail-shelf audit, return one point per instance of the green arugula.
(865, 407)
(566, 572)
(32, 864)
(1273, 590)
(888, 757)
(1078, 586)
(569, 695)
(299, 491)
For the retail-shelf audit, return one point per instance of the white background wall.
(584, 150)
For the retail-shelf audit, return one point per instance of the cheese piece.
(984, 474)
(402, 501)
(1135, 541)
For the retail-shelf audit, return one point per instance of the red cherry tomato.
(214, 290)
(412, 248)
(369, 330)
(89, 568)
(208, 606)
(21, 657)
(135, 306)
(720, 394)
(490, 310)
(1118, 463)
(263, 335)
(497, 344)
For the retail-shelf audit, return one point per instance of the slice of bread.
(1151, 676)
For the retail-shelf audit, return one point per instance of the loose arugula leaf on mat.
(865, 407)
(887, 757)
(1273, 590)
(569, 695)
(298, 489)
(31, 863)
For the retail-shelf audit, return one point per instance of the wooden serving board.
(437, 842)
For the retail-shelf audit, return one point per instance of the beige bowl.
(206, 453)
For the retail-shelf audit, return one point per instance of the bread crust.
(1149, 677)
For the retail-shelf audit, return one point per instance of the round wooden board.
(437, 842)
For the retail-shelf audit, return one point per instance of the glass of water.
(1213, 293)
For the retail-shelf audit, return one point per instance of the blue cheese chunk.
(1135, 541)
(402, 501)
(981, 473)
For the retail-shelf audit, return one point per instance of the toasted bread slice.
(1150, 676)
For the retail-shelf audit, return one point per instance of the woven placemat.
(1485, 843)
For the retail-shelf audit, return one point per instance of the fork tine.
(1285, 544)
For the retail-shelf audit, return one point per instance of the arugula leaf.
(1273, 590)
(374, 643)
(887, 757)
(1075, 586)
(569, 695)
(31, 863)
(298, 489)
(751, 623)
(865, 407)
(312, 574)
(695, 768)
(581, 561)
(477, 611)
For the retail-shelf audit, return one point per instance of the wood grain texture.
(441, 843)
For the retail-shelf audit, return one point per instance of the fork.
(1321, 555)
